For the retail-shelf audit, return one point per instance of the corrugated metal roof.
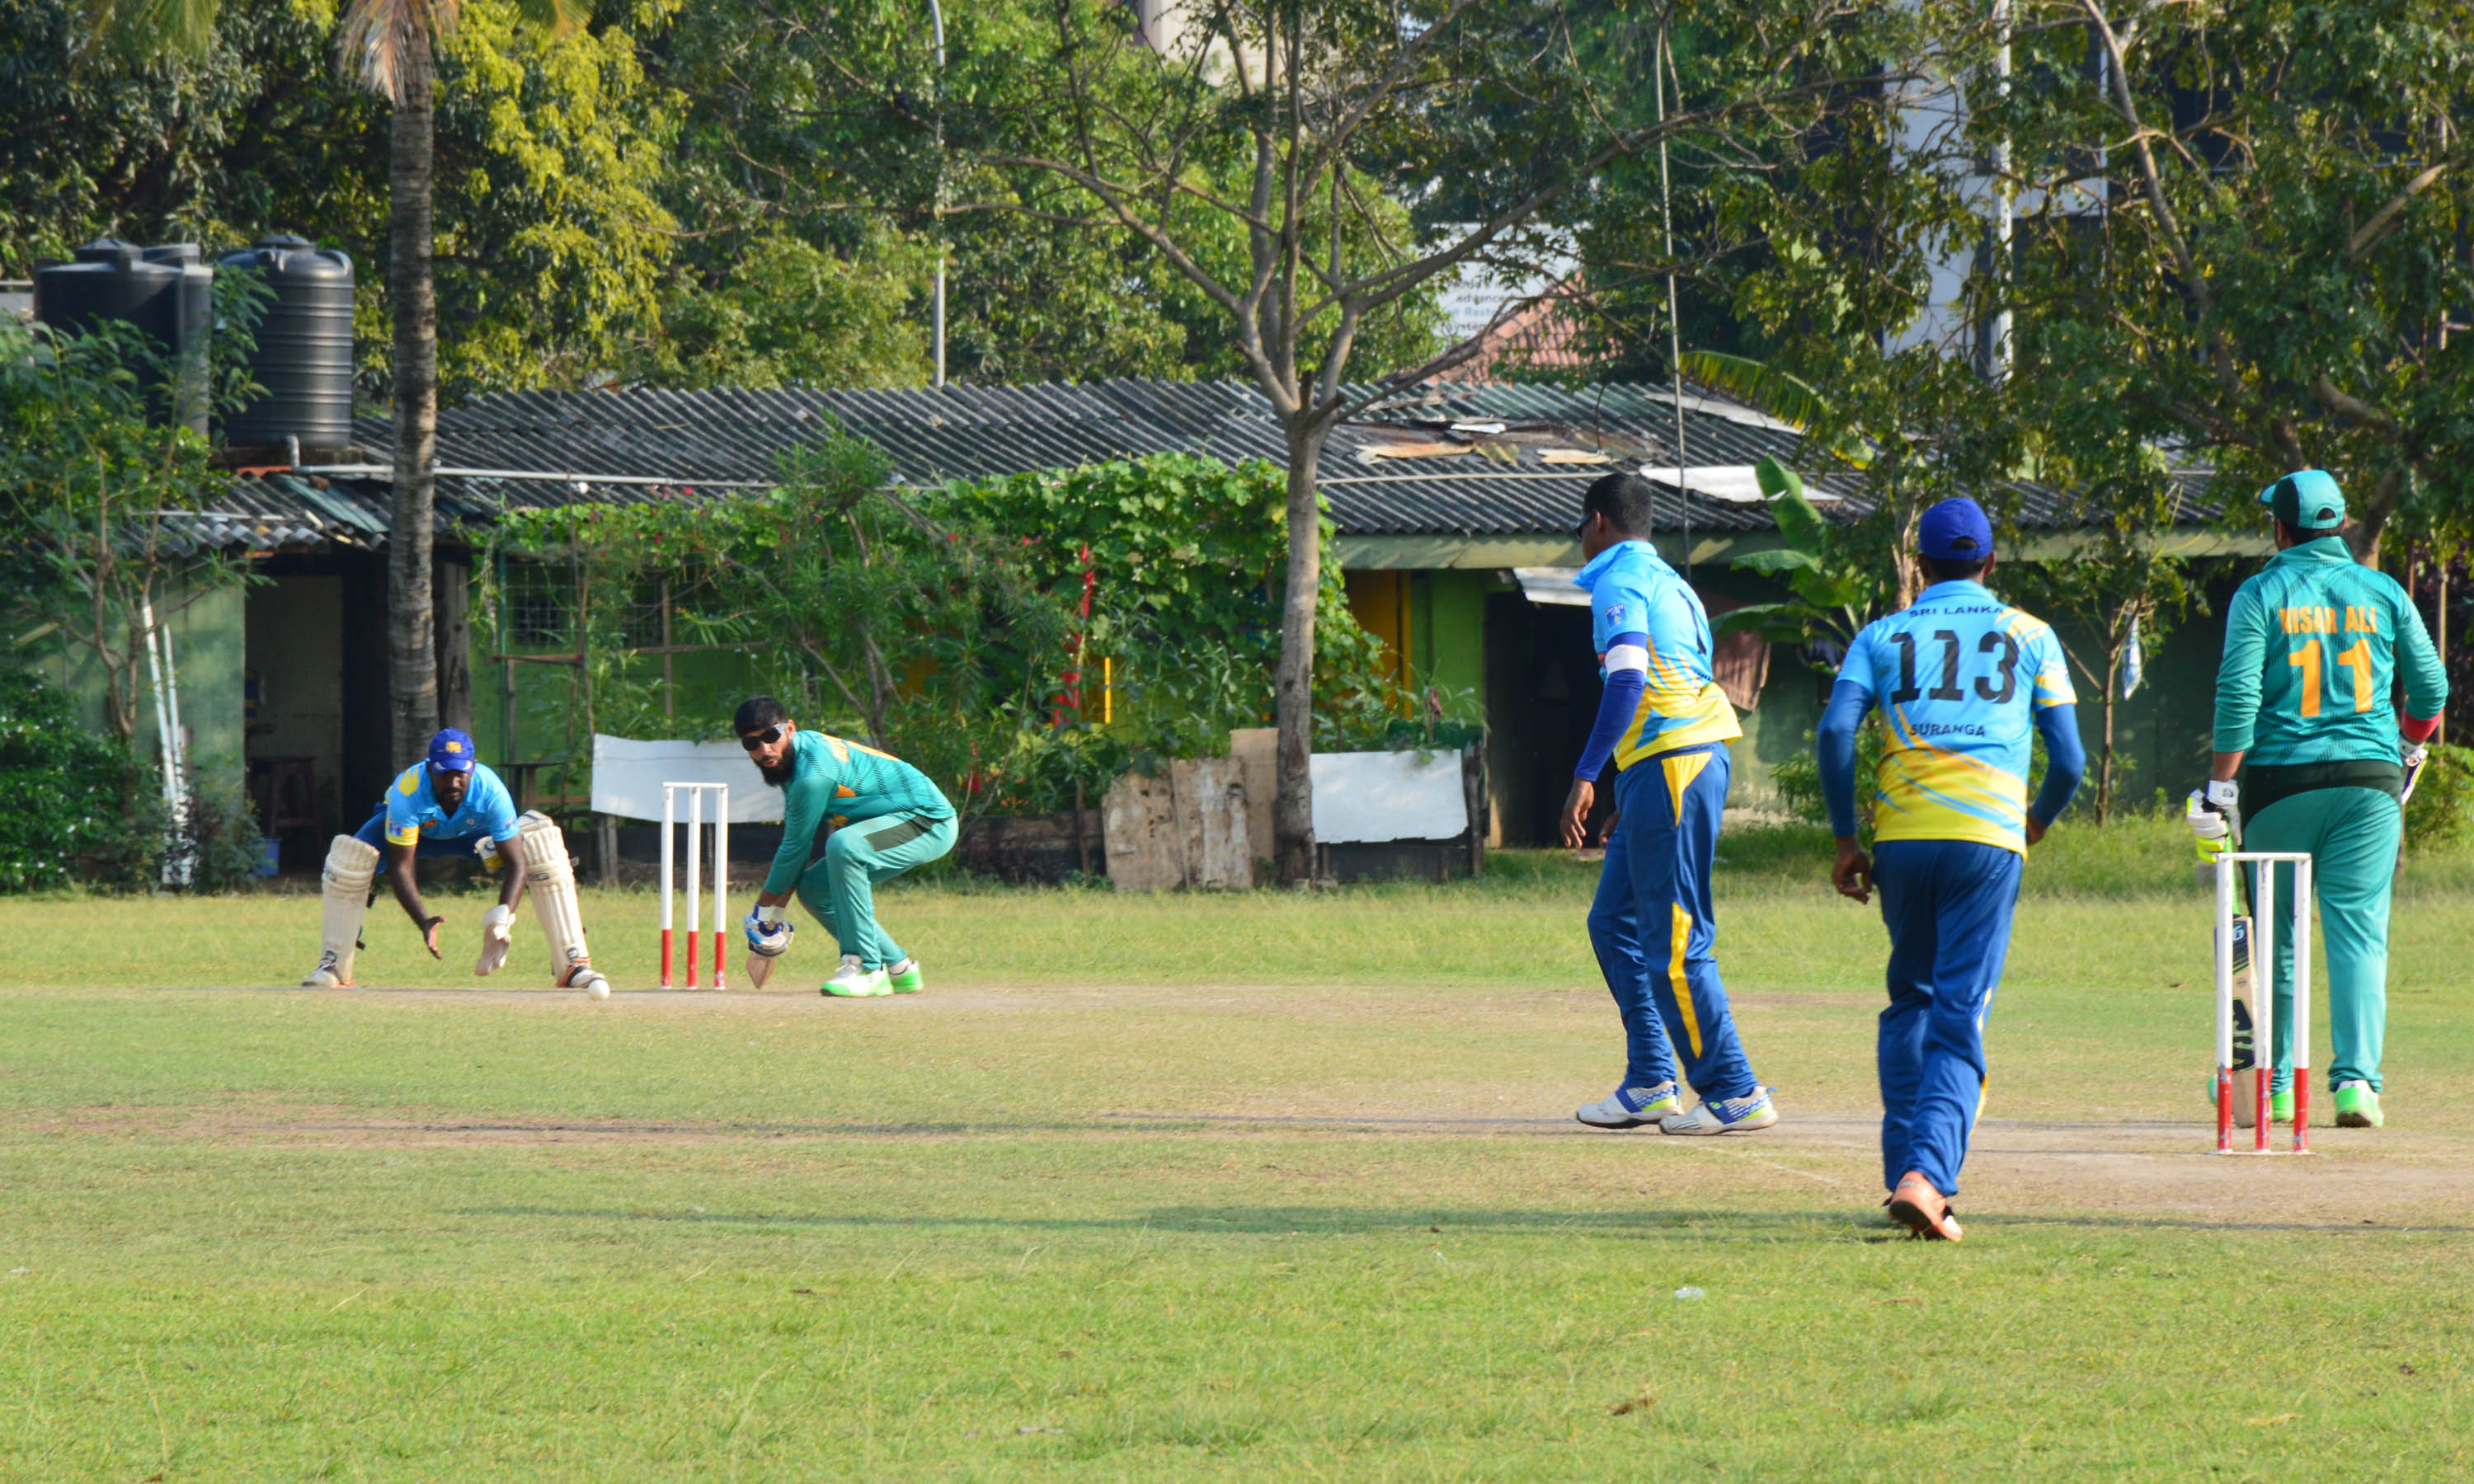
(672, 442)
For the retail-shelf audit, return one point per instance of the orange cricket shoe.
(1923, 1210)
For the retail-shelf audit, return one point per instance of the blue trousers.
(1948, 904)
(1653, 926)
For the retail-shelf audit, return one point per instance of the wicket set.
(695, 884)
(2263, 978)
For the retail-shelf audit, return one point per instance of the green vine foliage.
(1186, 555)
(949, 626)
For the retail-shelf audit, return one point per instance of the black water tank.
(163, 290)
(305, 348)
(193, 328)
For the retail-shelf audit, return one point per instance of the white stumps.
(2262, 974)
(695, 874)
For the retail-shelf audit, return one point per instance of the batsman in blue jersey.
(1959, 677)
(1666, 723)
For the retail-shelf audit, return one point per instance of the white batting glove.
(497, 932)
(2211, 815)
(769, 932)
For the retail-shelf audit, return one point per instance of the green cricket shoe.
(2358, 1107)
(903, 978)
(2280, 1105)
(856, 981)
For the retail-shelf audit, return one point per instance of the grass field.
(1194, 1188)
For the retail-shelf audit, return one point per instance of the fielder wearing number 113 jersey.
(1958, 677)
(1963, 682)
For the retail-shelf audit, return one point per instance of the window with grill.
(642, 626)
(539, 604)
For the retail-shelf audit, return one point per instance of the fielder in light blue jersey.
(1960, 679)
(1666, 724)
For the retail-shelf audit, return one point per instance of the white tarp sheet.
(1552, 585)
(627, 778)
(1368, 798)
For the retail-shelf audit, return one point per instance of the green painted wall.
(1450, 609)
(209, 645)
(1779, 727)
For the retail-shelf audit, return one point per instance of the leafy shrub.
(2442, 811)
(70, 799)
(1797, 777)
(223, 833)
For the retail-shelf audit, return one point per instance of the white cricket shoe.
(1629, 1108)
(326, 977)
(1724, 1116)
(583, 976)
(853, 981)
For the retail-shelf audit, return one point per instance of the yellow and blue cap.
(2307, 500)
(452, 752)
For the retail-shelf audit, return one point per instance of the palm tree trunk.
(1293, 690)
(412, 660)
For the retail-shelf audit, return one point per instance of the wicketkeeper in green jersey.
(885, 817)
(2316, 646)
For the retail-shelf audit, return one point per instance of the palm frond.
(1797, 521)
(139, 30)
(557, 17)
(380, 41)
(1763, 617)
(1788, 398)
(1776, 561)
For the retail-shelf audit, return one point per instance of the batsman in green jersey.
(875, 817)
(2316, 647)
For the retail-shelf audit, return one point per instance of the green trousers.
(2351, 834)
(840, 886)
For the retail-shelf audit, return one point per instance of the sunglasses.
(766, 738)
(1581, 532)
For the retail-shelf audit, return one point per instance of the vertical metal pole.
(695, 883)
(2264, 977)
(503, 618)
(720, 877)
(162, 739)
(183, 860)
(669, 827)
(2302, 896)
(936, 16)
(1674, 324)
(2224, 936)
(1994, 351)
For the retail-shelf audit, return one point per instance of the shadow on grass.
(1836, 1224)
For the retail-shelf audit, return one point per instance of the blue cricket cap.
(452, 752)
(2307, 500)
(1956, 530)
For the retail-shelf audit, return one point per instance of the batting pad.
(550, 877)
(350, 867)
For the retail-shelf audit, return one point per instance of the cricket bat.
(2246, 990)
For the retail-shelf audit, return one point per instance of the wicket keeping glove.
(2211, 814)
(769, 932)
(498, 930)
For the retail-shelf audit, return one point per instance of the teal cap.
(2307, 500)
